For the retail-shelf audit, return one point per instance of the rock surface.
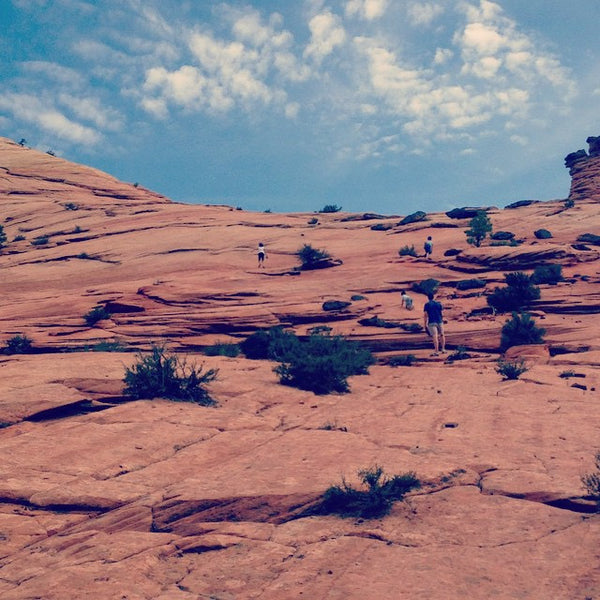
(105, 498)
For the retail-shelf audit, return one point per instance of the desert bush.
(313, 221)
(309, 256)
(371, 503)
(18, 238)
(70, 206)
(502, 235)
(18, 344)
(98, 313)
(511, 369)
(542, 234)
(519, 292)
(547, 274)
(2, 237)
(521, 329)
(470, 284)
(591, 481)
(40, 240)
(413, 218)
(402, 360)
(427, 286)
(407, 251)
(569, 203)
(322, 363)
(163, 375)
(479, 226)
(357, 297)
(331, 208)
(269, 343)
(230, 350)
(381, 227)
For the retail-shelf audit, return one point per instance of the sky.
(386, 106)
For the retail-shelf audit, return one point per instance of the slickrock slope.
(105, 498)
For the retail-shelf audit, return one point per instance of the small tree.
(479, 226)
(331, 208)
(2, 237)
(310, 256)
(521, 329)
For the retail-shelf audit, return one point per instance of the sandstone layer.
(101, 497)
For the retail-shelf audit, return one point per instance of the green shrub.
(162, 375)
(230, 350)
(70, 206)
(589, 238)
(269, 343)
(17, 238)
(371, 503)
(470, 284)
(331, 208)
(521, 329)
(402, 360)
(569, 203)
(18, 344)
(519, 292)
(98, 313)
(479, 226)
(107, 347)
(547, 274)
(502, 235)
(357, 297)
(542, 234)
(428, 286)
(407, 251)
(313, 221)
(322, 363)
(3, 237)
(591, 481)
(40, 240)
(309, 256)
(381, 227)
(511, 369)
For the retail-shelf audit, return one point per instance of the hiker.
(434, 324)
(428, 246)
(262, 254)
(406, 300)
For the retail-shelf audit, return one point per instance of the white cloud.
(327, 33)
(442, 56)
(424, 13)
(90, 109)
(32, 109)
(366, 9)
(54, 71)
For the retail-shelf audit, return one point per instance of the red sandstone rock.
(162, 500)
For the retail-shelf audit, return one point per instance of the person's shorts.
(439, 327)
(261, 256)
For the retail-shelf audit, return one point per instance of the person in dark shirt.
(434, 324)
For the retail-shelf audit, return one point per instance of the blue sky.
(386, 106)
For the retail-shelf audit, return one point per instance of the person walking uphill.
(262, 254)
(434, 324)
(428, 247)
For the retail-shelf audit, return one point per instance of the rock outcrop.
(584, 169)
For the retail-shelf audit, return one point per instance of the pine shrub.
(519, 330)
(518, 293)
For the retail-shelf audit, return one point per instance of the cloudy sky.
(387, 106)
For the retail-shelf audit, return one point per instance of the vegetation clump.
(459, 354)
(331, 208)
(470, 284)
(40, 240)
(591, 482)
(402, 360)
(414, 218)
(519, 330)
(310, 257)
(519, 292)
(511, 369)
(330, 305)
(407, 251)
(269, 344)
(479, 226)
(373, 502)
(18, 344)
(163, 375)
(2, 237)
(230, 350)
(542, 234)
(427, 286)
(320, 364)
(98, 313)
(551, 274)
